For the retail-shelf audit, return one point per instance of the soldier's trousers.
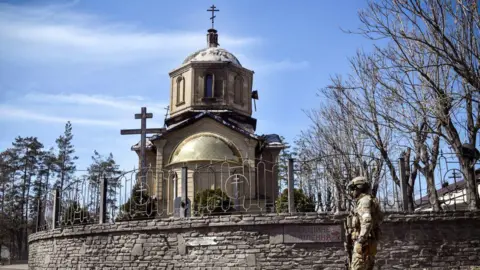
(366, 259)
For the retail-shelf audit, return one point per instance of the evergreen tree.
(283, 157)
(41, 185)
(8, 213)
(28, 151)
(65, 161)
(105, 167)
(302, 202)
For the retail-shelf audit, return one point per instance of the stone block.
(137, 250)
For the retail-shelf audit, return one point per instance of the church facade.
(211, 131)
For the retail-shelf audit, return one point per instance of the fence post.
(184, 207)
(56, 208)
(291, 202)
(39, 213)
(103, 201)
(403, 183)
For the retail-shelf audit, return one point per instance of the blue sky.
(96, 63)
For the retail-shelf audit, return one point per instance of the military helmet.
(358, 182)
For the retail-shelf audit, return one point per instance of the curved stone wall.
(410, 241)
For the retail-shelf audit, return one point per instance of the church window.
(180, 90)
(209, 85)
(237, 91)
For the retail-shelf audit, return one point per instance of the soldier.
(363, 225)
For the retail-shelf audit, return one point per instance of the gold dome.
(205, 147)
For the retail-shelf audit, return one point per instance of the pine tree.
(283, 158)
(65, 162)
(42, 182)
(10, 221)
(100, 168)
(28, 152)
(7, 171)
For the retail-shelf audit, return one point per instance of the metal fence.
(449, 185)
(252, 186)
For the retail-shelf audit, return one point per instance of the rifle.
(348, 241)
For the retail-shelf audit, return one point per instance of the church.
(210, 130)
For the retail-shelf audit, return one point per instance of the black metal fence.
(252, 186)
(449, 182)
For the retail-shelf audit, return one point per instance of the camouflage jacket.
(366, 218)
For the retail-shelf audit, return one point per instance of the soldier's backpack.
(378, 216)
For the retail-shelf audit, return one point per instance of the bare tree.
(338, 151)
(428, 36)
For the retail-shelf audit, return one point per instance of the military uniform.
(364, 228)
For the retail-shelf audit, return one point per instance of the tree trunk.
(432, 191)
(339, 198)
(468, 171)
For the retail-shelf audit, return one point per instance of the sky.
(96, 63)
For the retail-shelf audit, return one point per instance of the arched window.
(237, 91)
(209, 85)
(180, 90)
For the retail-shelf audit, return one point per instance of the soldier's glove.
(359, 245)
(358, 248)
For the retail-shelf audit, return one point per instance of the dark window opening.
(209, 85)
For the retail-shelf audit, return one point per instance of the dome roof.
(214, 54)
(205, 147)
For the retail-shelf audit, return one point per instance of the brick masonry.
(449, 240)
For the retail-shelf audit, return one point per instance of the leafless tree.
(437, 38)
(333, 143)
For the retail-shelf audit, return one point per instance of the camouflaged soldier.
(363, 225)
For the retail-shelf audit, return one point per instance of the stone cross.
(213, 9)
(143, 131)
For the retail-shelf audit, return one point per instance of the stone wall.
(410, 241)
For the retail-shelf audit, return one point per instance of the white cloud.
(49, 34)
(130, 103)
(265, 66)
(15, 114)
(82, 109)
(262, 66)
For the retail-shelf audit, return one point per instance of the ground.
(14, 267)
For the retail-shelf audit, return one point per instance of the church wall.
(448, 240)
(270, 186)
(245, 107)
(219, 88)
(246, 147)
(176, 106)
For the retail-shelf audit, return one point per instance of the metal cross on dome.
(213, 9)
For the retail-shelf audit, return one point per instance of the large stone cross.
(143, 131)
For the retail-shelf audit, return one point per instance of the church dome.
(205, 147)
(214, 54)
